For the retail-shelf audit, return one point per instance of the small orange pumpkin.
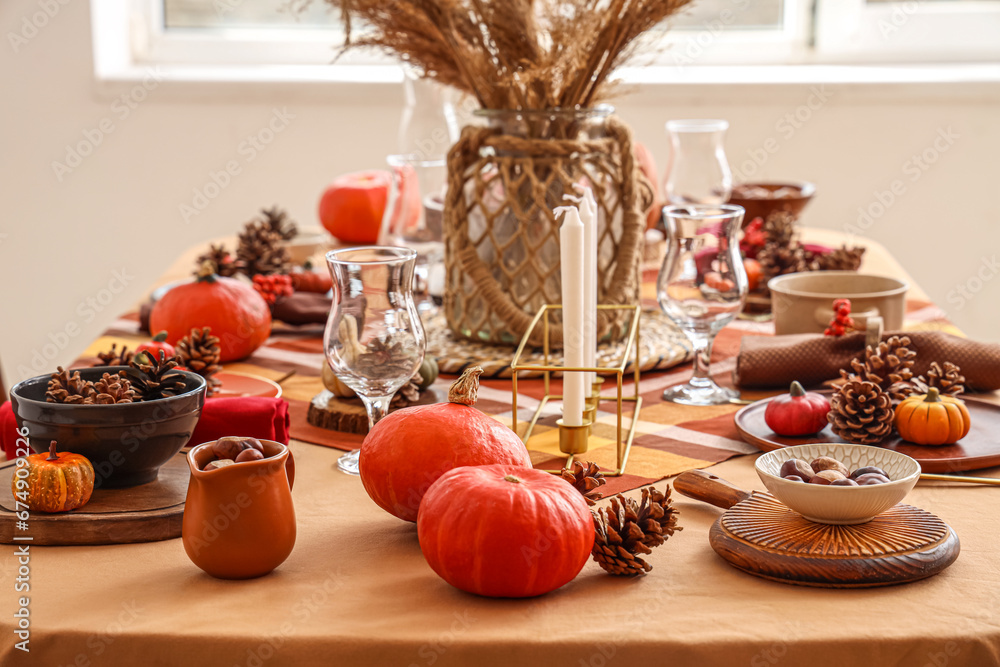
(932, 419)
(56, 481)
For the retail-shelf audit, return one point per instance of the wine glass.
(701, 287)
(374, 340)
(698, 172)
(414, 216)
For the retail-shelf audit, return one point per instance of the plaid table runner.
(669, 438)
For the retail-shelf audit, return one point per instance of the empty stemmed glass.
(374, 340)
(701, 287)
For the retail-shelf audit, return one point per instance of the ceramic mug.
(239, 521)
(803, 302)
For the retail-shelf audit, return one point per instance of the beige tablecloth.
(357, 591)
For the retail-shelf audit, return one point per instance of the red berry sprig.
(271, 287)
(842, 321)
(753, 238)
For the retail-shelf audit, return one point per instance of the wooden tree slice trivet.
(348, 415)
(145, 513)
(761, 536)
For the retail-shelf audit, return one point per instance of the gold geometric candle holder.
(573, 440)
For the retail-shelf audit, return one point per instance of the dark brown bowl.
(761, 208)
(126, 442)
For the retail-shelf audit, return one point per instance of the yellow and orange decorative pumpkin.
(932, 419)
(55, 481)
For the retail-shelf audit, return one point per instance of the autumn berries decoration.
(273, 287)
(842, 321)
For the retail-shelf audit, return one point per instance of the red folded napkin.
(254, 417)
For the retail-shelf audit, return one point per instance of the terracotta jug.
(239, 521)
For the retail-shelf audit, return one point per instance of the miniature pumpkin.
(799, 412)
(154, 346)
(335, 385)
(932, 419)
(55, 481)
(539, 530)
(428, 371)
(312, 281)
(410, 448)
(236, 313)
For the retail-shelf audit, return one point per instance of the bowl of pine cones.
(846, 485)
(127, 420)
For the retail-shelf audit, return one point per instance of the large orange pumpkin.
(410, 448)
(53, 481)
(237, 314)
(539, 530)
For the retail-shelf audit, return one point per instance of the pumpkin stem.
(933, 395)
(207, 272)
(52, 452)
(160, 337)
(796, 389)
(465, 390)
(512, 479)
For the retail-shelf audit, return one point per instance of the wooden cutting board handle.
(709, 488)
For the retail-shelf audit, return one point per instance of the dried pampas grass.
(510, 54)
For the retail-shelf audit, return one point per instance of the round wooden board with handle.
(145, 513)
(979, 449)
(761, 536)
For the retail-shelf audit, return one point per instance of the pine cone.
(199, 352)
(839, 259)
(113, 389)
(585, 479)
(261, 251)
(64, 387)
(887, 366)
(861, 413)
(278, 222)
(114, 357)
(383, 359)
(628, 529)
(225, 264)
(408, 394)
(782, 252)
(156, 380)
(949, 382)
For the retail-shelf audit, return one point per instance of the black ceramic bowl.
(126, 442)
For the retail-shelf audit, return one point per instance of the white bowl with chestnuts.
(838, 483)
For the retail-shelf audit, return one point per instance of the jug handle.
(290, 468)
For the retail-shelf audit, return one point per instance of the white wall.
(62, 242)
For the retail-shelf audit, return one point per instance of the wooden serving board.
(979, 449)
(761, 536)
(146, 513)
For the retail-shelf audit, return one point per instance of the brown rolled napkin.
(302, 308)
(775, 361)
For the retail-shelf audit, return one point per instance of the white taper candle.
(571, 247)
(588, 214)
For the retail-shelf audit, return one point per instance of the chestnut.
(867, 470)
(252, 443)
(249, 455)
(843, 482)
(829, 463)
(826, 477)
(228, 447)
(796, 467)
(219, 463)
(872, 478)
(793, 478)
